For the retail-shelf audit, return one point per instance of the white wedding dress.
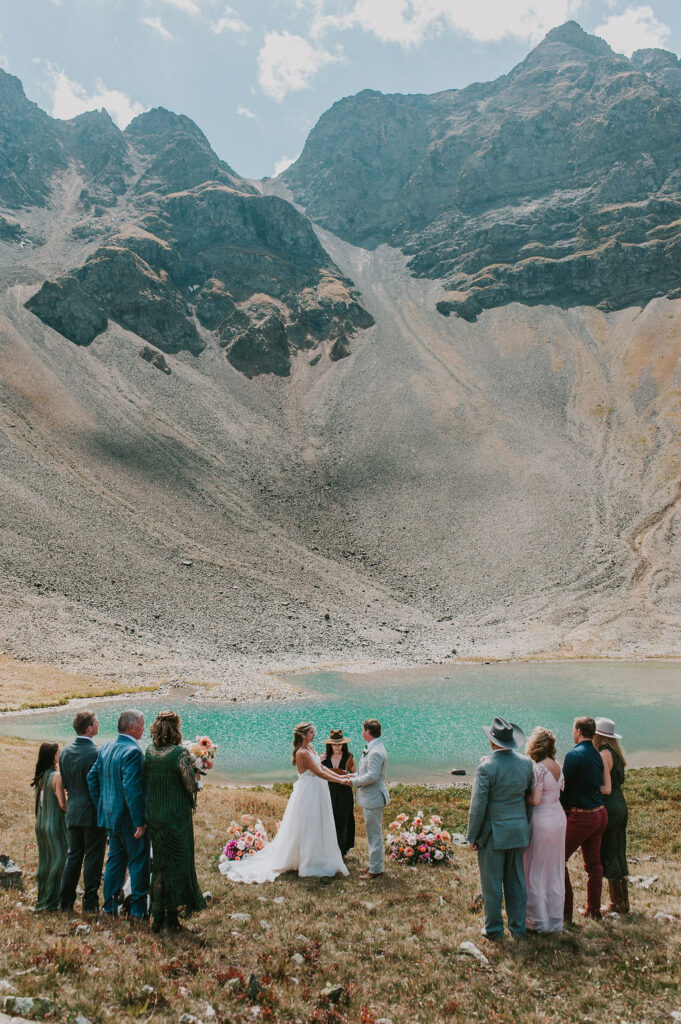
(306, 841)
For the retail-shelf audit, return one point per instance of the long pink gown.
(545, 856)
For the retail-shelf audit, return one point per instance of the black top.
(75, 761)
(583, 773)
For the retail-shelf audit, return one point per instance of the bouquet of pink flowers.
(421, 842)
(202, 752)
(246, 837)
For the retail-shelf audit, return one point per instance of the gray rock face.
(178, 154)
(557, 183)
(200, 248)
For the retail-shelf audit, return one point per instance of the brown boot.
(624, 895)
(619, 895)
(612, 888)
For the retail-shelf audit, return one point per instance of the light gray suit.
(499, 823)
(372, 797)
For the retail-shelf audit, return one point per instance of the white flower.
(438, 855)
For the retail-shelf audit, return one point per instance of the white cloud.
(636, 29)
(70, 99)
(287, 63)
(231, 21)
(282, 164)
(244, 111)
(188, 6)
(157, 26)
(409, 22)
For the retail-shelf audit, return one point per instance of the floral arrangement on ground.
(246, 837)
(421, 842)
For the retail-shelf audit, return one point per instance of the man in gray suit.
(499, 827)
(372, 793)
(87, 842)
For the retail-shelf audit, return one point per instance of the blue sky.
(256, 75)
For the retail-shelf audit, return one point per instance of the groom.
(372, 793)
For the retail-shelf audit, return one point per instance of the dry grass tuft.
(392, 945)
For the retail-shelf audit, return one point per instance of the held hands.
(139, 832)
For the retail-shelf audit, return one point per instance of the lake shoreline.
(274, 683)
(432, 715)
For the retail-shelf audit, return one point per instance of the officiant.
(339, 759)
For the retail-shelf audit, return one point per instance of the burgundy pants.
(585, 829)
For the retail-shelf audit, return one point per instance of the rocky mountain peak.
(191, 248)
(557, 183)
(571, 34)
(178, 155)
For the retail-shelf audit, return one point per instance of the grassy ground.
(30, 685)
(393, 944)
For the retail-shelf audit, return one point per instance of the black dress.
(342, 802)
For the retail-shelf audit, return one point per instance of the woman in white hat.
(614, 842)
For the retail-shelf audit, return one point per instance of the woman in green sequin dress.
(172, 799)
(614, 842)
(50, 826)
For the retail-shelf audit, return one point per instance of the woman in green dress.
(614, 842)
(50, 826)
(172, 799)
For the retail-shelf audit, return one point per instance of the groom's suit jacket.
(118, 787)
(498, 808)
(370, 782)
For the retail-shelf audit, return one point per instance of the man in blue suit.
(499, 827)
(118, 790)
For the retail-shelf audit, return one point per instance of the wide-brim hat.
(504, 734)
(606, 727)
(336, 736)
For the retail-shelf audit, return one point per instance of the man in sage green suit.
(499, 827)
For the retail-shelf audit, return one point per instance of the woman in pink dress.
(545, 856)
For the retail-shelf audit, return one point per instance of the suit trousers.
(585, 829)
(87, 846)
(133, 854)
(503, 872)
(373, 820)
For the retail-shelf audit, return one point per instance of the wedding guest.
(50, 826)
(499, 829)
(614, 842)
(339, 759)
(587, 779)
(87, 842)
(173, 786)
(372, 795)
(118, 790)
(545, 855)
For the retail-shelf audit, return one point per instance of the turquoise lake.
(432, 717)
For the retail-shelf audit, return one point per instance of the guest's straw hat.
(504, 734)
(336, 736)
(606, 727)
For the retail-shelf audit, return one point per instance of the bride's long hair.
(298, 738)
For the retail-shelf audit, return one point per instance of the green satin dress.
(170, 809)
(53, 844)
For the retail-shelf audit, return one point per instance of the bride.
(306, 841)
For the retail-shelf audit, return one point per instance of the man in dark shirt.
(586, 779)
